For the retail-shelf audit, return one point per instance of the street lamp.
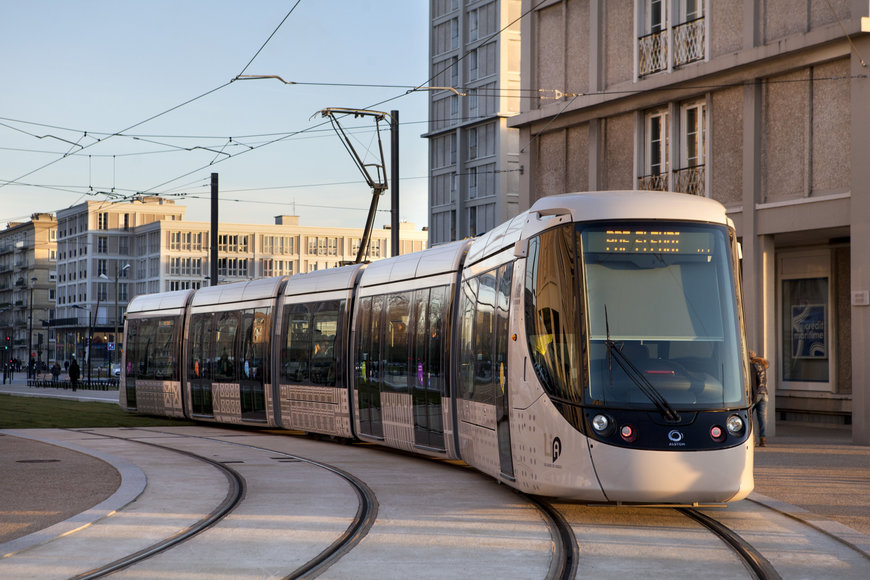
(30, 363)
(118, 270)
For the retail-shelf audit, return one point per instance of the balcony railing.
(689, 42)
(684, 42)
(654, 182)
(690, 180)
(652, 53)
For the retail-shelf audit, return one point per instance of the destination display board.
(649, 241)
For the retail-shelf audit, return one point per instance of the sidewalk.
(19, 387)
(817, 468)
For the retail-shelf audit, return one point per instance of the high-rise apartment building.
(761, 105)
(474, 48)
(27, 290)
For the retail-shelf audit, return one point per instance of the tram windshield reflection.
(668, 293)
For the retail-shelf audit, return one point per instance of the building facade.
(762, 105)
(27, 289)
(107, 253)
(474, 49)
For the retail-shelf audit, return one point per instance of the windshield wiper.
(636, 376)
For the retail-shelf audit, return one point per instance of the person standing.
(74, 374)
(759, 394)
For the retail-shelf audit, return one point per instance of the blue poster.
(809, 331)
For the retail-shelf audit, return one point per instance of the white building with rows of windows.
(107, 253)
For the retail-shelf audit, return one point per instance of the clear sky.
(75, 74)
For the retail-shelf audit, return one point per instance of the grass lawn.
(47, 413)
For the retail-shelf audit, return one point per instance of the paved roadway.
(54, 482)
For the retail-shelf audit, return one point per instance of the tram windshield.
(662, 316)
(635, 315)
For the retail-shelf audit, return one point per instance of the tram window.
(396, 353)
(325, 325)
(552, 309)
(467, 359)
(131, 350)
(152, 356)
(505, 273)
(308, 354)
(200, 346)
(438, 304)
(256, 326)
(484, 335)
(294, 355)
(226, 327)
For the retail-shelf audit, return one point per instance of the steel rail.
(757, 564)
(235, 494)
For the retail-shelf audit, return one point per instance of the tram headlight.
(735, 425)
(602, 424)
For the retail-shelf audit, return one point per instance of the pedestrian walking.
(74, 374)
(759, 394)
(55, 371)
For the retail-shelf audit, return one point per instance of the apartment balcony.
(689, 42)
(654, 182)
(652, 53)
(691, 180)
(672, 47)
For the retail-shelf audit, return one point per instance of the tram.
(591, 348)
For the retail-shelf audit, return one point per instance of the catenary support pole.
(394, 181)
(213, 251)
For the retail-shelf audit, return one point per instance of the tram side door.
(369, 367)
(502, 402)
(200, 357)
(430, 307)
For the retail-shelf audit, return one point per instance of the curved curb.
(133, 481)
(841, 532)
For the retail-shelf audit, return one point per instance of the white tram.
(591, 348)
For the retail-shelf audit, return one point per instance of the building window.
(102, 245)
(670, 40)
(690, 176)
(101, 268)
(472, 143)
(472, 101)
(473, 25)
(454, 34)
(655, 149)
(472, 65)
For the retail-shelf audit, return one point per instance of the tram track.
(566, 554)
(359, 526)
(759, 566)
(235, 494)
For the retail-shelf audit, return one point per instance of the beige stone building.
(27, 291)
(763, 105)
(107, 253)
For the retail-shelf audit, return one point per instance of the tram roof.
(238, 291)
(162, 301)
(342, 278)
(440, 259)
(601, 205)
